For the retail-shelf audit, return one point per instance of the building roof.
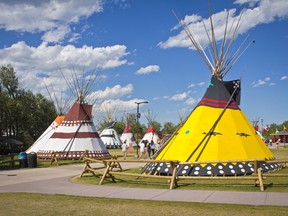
(281, 133)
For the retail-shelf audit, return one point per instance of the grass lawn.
(272, 184)
(43, 204)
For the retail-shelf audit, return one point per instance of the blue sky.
(141, 53)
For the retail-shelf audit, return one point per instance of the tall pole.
(138, 126)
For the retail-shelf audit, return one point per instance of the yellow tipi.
(217, 129)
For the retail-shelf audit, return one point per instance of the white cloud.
(265, 11)
(190, 101)
(56, 34)
(49, 16)
(258, 83)
(284, 78)
(116, 91)
(179, 97)
(267, 79)
(120, 106)
(34, 63)
(196, 84)
(251, 3)
(147, 70)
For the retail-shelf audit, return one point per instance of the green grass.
(272, 184)
(44, 204)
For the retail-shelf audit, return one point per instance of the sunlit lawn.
(44, 204)
(272, 184)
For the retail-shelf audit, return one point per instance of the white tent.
(128, 136)
(110, 137)
(75, 135)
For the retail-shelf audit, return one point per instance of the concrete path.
(54, 180)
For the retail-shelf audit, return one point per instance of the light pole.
(137, 123)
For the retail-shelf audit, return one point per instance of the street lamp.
(137, 122)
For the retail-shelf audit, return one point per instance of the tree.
(22, 114)
(169, 128)
(9, 80)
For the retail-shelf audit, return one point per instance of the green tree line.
(23, 115)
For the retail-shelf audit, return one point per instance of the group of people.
(145, 146)
(149, 148)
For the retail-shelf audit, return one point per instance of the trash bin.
(23, 162)
(32, 160)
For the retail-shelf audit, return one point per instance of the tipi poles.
(197, 45)
(211, 130)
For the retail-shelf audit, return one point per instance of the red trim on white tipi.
(151, 134)
(75, 135)
(128, 136)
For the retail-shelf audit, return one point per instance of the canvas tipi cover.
(151, 135)
(216, 131)
(110, 137)
(43, 139)
(128, 136)
(75, 135)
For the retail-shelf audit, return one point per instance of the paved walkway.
(54, 180)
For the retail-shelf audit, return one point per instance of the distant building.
(283, 135)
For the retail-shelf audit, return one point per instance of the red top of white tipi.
(75, 135)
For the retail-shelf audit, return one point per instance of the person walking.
(125, 149)
(152, 146)
(142, 150)
(149, 149)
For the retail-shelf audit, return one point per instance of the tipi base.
(112, 146)
(218, 169)
(72, 154)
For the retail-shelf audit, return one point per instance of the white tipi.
(127, 134)
(109, 135)
(76, 134)
(62, 106)
(150, 133)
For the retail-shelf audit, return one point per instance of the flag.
(256, 127)
(266, 128)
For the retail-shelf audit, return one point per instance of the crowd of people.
(147, 149)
